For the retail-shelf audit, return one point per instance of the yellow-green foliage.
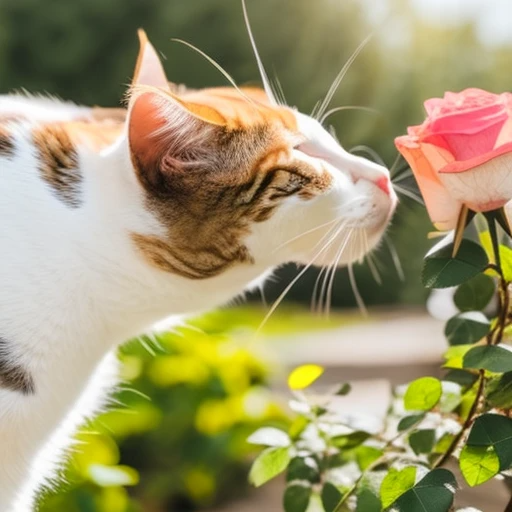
(175, 433)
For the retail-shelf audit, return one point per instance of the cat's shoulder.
(93, 127)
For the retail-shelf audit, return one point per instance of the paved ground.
(390, 348)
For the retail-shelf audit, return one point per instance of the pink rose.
(462, 154)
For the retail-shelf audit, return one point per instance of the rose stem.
(459, 229)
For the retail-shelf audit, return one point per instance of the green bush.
(178, 427)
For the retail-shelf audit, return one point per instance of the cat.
(115, 219)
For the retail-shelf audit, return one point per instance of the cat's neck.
(93, 288)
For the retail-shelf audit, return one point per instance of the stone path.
(388, 349)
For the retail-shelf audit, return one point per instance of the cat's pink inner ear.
(162, 127)
(149, 70)
(145, 121)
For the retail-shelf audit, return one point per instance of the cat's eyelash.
(263, 183)
(294, 185)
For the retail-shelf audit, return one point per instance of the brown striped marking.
(245, 170)
(7, 146)
(13, 376)
(58, 163)
(186, 262)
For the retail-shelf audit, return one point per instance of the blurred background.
(178, 428)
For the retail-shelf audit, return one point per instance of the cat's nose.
(384, 184)
(361, 168)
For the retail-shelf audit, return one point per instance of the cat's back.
(45, 148)
(41, 139)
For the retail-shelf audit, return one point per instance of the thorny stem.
(352, 489)
(494, 239)
(467, 424)
(494, 338)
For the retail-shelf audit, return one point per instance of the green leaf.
(395, 484)
(350, 440)
(462, 377)
(444, 443)
(344, 389)
(505, 255)
(269, 464)
(423, 394)
(494, 430)
(331, 496)
(409, 421)
(433, 493)
(296, 497)
(467, 328)
(468, 399)
(269, 436)
(478, 464)
(490, 357)
(367, 501)
(475, 294)
(454, 356)
(367, 455)
(440, 270)
(422, 441)
(303, 468)
(498, 391)
(451, 397)
(297, 427)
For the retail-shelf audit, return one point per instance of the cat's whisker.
(394, 256)
(332, 111)
(321, 296)
(321, 305)
(216, 65)
(305, 233)
(359, 299)
(331, 269)
(315, 109)
(409, 194)
(338, 219)
(394, 166)
(337, 81)
(402, 175)
(369, 151)
(373, 269)
(278, 301)
(315, 304)
(263, 74)
(278, 91)
(328, 298)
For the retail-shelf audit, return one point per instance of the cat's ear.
(168, 136)
(148, 70)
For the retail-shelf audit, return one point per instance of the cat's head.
(235, 180)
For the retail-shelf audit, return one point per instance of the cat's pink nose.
(384, 184)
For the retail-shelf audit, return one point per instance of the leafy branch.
(337, 463)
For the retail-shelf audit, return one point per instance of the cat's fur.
(109, 225)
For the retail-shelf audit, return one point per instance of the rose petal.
(484, 187)
(425, 161)
(469, 121)
(505, 135)
(464, 146)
